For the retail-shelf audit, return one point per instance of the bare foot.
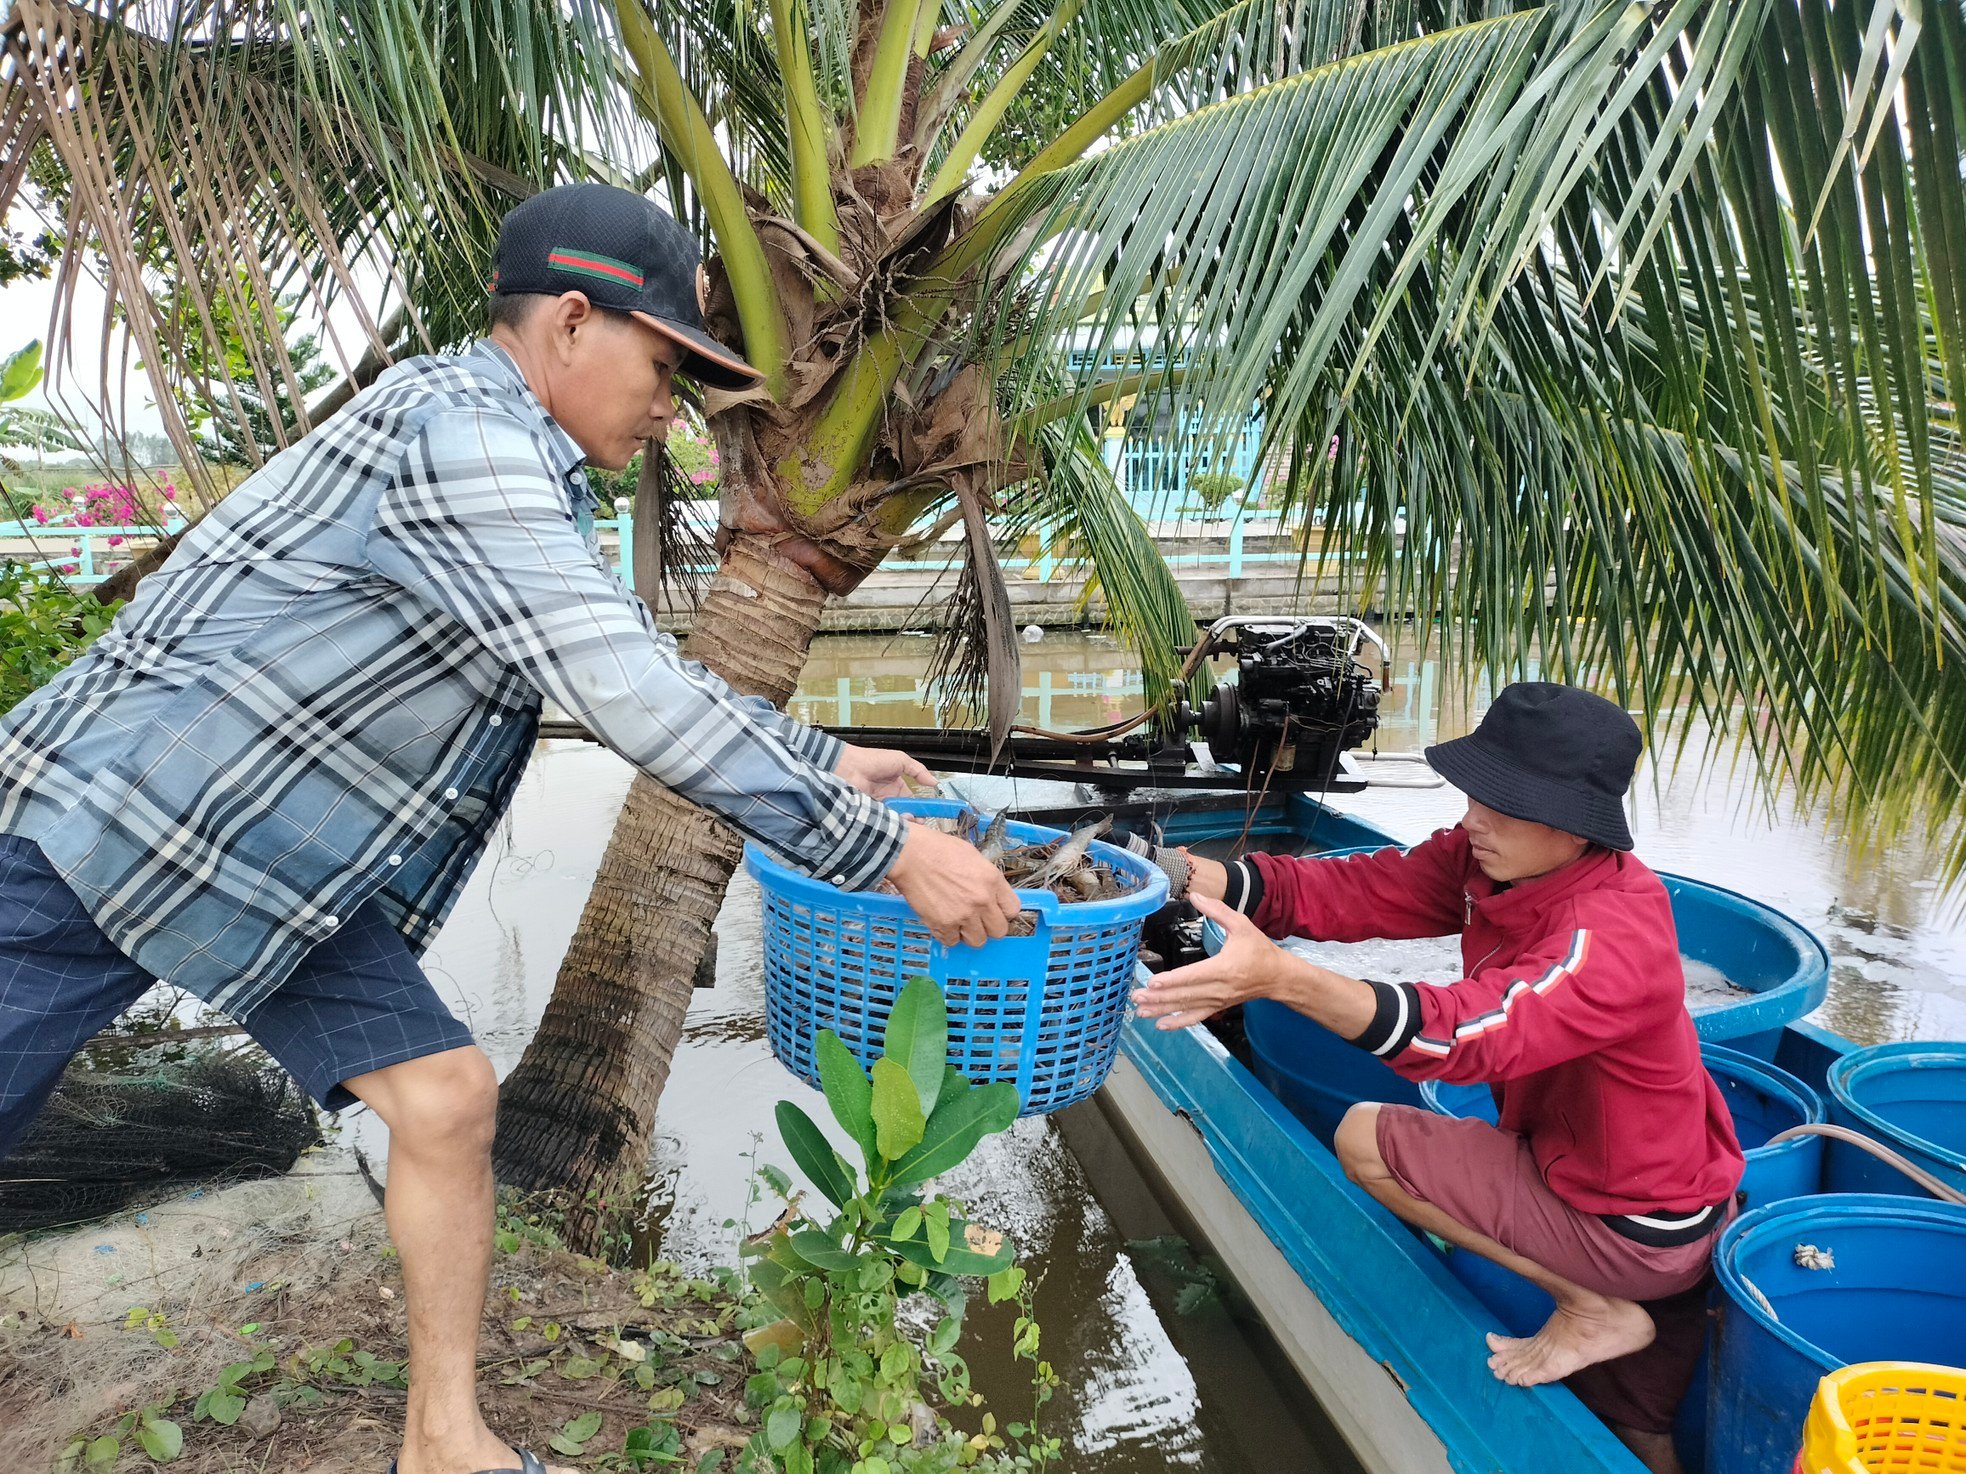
(1580, 1334)
(469, 1455)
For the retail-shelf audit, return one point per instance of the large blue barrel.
(1912, 1098)
(1895, 1291)
(1765, 1102)
(1782, 965)
(1318, 1075)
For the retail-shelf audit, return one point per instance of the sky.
(24, 309)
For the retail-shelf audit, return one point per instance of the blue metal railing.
(1156, 469)
(1158, 473)
(851, 694)
(1233, 562)
(90, 543)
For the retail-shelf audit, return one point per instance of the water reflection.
(1071, 679)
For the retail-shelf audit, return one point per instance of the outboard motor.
(1300, 699)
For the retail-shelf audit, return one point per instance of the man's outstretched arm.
(476, 527)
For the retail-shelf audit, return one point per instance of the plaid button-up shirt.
(329, 691)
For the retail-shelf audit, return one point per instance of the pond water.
(1159, 1372)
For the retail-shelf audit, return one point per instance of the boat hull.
(1389, 1342)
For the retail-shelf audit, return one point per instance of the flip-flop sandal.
(528, 1464)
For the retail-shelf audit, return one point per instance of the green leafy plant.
(572, 1437)
(160, 1439)
(44, 624)
(141, 1317)
(223, 1402)
(657, 1442)
(343, 1363)
(692, 454)
(245, 423)
(1213, 489)
(842, 1387)
(36, 429)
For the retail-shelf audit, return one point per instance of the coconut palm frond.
(1644, 328)
(1041, 66)
(368, 157)
(1233, 248)
(1066, 498)
(1081, 510)
(1712, 464)
(975, 664)
(725, 53)
(1072, 503)
(670, 571)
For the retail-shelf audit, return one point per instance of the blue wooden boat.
(1382, 1333)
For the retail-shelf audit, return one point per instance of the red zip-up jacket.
(1573, 1011)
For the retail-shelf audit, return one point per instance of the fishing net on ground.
(112, 1138)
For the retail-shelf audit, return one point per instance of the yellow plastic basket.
(1883, 1417)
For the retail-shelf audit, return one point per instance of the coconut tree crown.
(1625, 339)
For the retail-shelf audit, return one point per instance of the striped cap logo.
(588, 263)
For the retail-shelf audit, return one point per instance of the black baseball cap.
(627, 255)
(1551, 754)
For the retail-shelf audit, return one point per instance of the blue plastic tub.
(1912, 1098)
(1763, 1099)
(1042, 1012)
(1766, 1101)
(1896, 1292)
(1318, 1075)
(1783, 967)
(1757, 948)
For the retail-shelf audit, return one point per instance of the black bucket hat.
(1550, 754)
(626, 254)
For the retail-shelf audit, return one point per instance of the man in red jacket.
(1615, 1163)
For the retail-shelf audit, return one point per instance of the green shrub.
(44, 624)
(1214, 488)
(692, 454)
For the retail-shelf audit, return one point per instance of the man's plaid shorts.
(357, 1002)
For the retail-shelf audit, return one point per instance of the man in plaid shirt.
(267, 783)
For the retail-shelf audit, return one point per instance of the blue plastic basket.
(1042, 1012)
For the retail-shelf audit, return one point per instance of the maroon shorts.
(1487, 1178)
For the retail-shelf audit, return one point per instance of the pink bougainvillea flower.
(41, 515)
(116, 540)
